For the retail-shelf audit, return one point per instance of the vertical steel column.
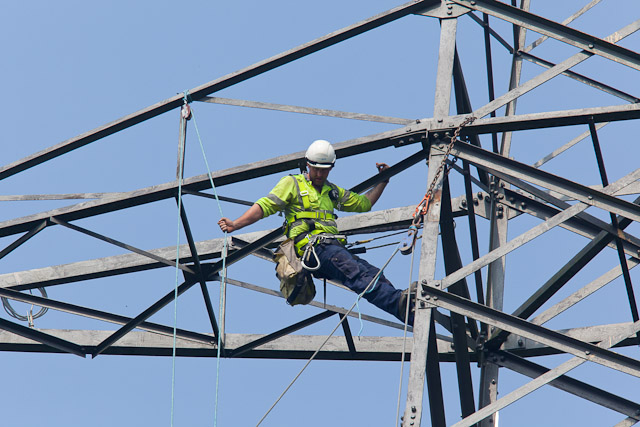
(452, 263)
(614, 222)
(495, 281)
(422, 327)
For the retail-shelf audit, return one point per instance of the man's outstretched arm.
(374, 194)
(252, 215)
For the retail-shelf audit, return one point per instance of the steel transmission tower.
(461, 315)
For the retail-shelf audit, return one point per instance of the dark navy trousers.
(337, 263)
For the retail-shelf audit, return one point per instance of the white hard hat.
(320, 154)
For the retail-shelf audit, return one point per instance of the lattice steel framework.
(503, 188)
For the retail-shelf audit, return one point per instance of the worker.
(308, 201)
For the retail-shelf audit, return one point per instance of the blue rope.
(224, 258)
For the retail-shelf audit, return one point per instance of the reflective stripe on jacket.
(306, 210)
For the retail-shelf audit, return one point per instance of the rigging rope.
(223, 276)
(342, 319)
(181, 145)
(404, 336)
(187, 114)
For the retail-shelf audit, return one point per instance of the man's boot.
(407, 295)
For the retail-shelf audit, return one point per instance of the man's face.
(318, 176)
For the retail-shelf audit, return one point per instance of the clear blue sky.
(71, 66)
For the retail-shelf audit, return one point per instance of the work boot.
(407, 295)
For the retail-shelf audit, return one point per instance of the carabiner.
(305, 256)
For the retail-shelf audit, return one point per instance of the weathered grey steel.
(120, 244)
(423, 322)
(446, 300)
(423, 318)
(565, 147)
(567, 21)
(550, 73)
(541, 381)
(215, 85)
(500, 251)
(485, 24)
(101, 315)
(198, 267)
(557, 31)
(49, 341)
(582, 293)
(291, 161)
(502, 204)
(307, 110)
(615, 223)
(287, 347)
(527, 173)
(320, 305)
(453, 262)
(221, 198)
(283, 332)
(22, 239)
(189, 281)
(583, 223)
(581, 78)
(568, 384)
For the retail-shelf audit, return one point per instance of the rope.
(404, 337)
(344, 316)
(223, 281)
(181, 145)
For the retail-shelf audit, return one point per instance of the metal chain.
(424, 203)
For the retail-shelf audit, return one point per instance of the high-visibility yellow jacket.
(307, 210)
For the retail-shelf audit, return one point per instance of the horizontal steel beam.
(287, 347)
(101, 315)
(402, 136)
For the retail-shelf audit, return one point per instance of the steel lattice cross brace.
(455, 322)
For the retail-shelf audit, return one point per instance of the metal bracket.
(446, 9)
(409, 138)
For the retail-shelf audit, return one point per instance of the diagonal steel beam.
(554, 339)
(541, 380)
(550, 73)
(215, 85)
(344, 149)
(453, 262)
(581, 78)
(584, 194)
(555, 30)
(22, 239)
(198, 269)
(582, 293)
(282, 332)
(41, 337)
(101, 315)
(188, 283)
(560, 278)
(120, 244)
(568, 384)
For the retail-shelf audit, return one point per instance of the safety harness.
(307, 218)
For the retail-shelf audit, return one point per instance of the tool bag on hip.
(296, 283)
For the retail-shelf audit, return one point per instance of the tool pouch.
(296, 283)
